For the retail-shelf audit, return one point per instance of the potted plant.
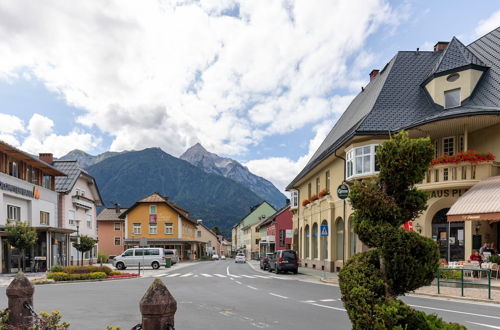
(323, 193)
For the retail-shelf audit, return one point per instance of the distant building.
(161, 223)
(276, 232)
(111, 231)
(211, 242)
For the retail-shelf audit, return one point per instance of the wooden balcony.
(463, 174)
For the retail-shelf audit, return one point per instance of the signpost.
(324, 230)
(143, 242)
(343, 191)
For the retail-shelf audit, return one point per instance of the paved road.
(225, 295)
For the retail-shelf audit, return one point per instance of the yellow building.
(451, 95)
(162, 224)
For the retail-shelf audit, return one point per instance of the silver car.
(146, 257)
(240, 257)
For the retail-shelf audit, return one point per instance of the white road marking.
(186, 275)
(232, 279)
(247, 276)
(330, 307)
(327, 300)
(159, 275)
(173, 275)
(220, 275)
(458, 312)
(266, 277)
(485, 325)
(238, 282)
(235, 276)
(309, 301)
(251, 287)
(195, 276)
(277, 295)
(207, 275)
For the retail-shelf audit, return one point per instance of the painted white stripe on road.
(238, 282)
(235, 276)
(232, 279)
(458, 312)
(330, 307)
(485, 325)
(173, 275)
(160, 275)
(309, 301)
(327, 300)
(207, 275)
(251, 287)
(266, 277)
(220, 275)
(277, 295)
(247, 276)
(186, 275)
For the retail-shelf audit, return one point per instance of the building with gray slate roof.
(450, 94)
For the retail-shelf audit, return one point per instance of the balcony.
(464, 174)
(82, 202)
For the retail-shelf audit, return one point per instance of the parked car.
(154, 257)
(215, 257)
(222, 257)
(240, 257)
(284, 261)
(172, 254)
(264, 261)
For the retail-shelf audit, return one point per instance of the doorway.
(450, 243)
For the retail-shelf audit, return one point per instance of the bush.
(451, 274)
(115, 272)
(87, 269)
(97, 275)
(495, 259)
(57, 269)
(58, 276)
(102, 258)
(61, 276)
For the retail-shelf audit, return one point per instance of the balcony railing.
(465, 173)
(82, 202)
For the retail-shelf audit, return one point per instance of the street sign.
(343, 191)
(324, 230)
(288, 233)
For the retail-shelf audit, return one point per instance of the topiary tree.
(87, 243)
(399, 261)
(21, 236)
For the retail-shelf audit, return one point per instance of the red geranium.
(471, 156)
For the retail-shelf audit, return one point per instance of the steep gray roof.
(396, 98)
(64, 184)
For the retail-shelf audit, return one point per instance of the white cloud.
(40, 126)
(10, 124)
(170, 74)
(488, 24)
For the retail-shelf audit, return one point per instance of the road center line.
(485, 325)
(277, 295)
(458, 312)
(327, 300)
(220, 275)
(330, 307)
(251, 287)
(207, 275)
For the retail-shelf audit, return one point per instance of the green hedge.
(62, 276)
(86, 269)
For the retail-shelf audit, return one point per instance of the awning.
(479, 203)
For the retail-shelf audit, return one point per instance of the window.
(71, 217)
(452, 98)
(44, 218)
(282, 237)
(118, 226)
(80, 192)
(453, 77)
(362, 161)
(34, 176)
(340, 239)
(89, 220)
(47, 181)
(128, 253)
(14, 169)
(169, 228)
(461, 143)
(449, 146)
(152, 252)
(13, 213)
(137, 228)
(327, 180)
(199, 233)
(436, 148)
(118, 241)
(317, 186)
(152, 209)
(153, 229)
(309, 190)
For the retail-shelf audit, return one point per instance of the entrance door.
(455, 239)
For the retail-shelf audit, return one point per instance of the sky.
(259, 81)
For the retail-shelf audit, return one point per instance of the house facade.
(210, 240)
(111, 231)
(276, 232)
(161, 223)
(28, 194)
(79, 198)
(450, 95)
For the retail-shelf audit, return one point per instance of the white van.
(154, 257)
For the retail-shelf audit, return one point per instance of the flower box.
(470, 156)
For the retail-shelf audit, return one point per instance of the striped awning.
(479, 203)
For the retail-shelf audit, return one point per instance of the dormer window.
(452, 98)
(453, 77)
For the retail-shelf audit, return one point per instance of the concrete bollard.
(158, 307)
(19, 292)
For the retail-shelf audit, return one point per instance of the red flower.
(466, 156)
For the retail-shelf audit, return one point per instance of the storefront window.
(306, 241)
(361, 161)
(450, 237)
(315, 240)
(340, 238)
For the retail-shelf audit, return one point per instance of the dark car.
(284, 261)
(264, 261)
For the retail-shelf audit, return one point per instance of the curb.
(456, 298)
(329, 281)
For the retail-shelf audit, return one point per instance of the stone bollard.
(19, 292)
(158, 307)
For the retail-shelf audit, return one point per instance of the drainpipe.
(345, 220)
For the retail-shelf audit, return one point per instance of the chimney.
(373, 74)
(199, 221)
(440, 46)
(117, 208)
(48, 158)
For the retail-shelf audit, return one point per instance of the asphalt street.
(225, 295)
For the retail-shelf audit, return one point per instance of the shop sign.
(343, 191)
(152, 218)
(20, 191)
(288, 233)
(447, 193)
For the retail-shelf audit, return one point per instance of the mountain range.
(218, 190)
